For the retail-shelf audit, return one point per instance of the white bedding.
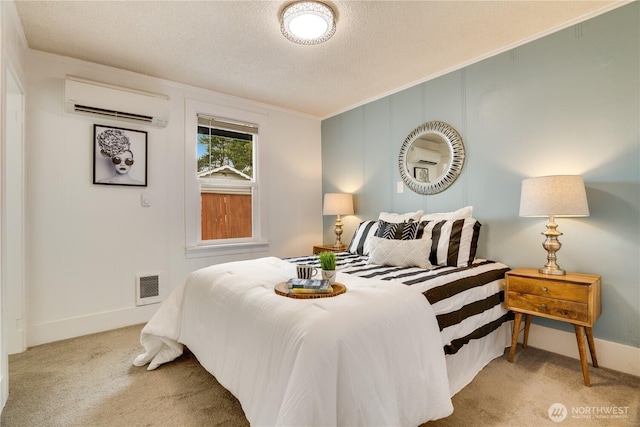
(371, 356)
(475, 327)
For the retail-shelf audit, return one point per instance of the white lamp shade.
(338, 204)
(559, 195)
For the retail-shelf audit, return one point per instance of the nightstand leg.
(592, 347)
(583, 354)
(527, 323)
(514, 337)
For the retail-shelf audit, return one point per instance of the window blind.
(229, 125)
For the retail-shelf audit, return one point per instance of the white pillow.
(462, 213)
(396, 218)
(399, 253)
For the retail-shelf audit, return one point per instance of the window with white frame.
(225, 174)
(223, 185)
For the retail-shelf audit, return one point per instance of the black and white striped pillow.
(365, 230)
(453, 242)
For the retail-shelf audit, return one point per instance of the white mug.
(306, 271)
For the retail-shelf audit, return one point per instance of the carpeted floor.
(89, 381)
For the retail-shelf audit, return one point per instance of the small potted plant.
(328, 266)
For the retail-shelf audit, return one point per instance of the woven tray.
(283, 289)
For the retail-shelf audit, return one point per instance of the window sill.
(204, 251)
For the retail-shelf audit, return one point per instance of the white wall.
(86, 242)
(11, 270)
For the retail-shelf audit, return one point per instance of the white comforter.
(371, 356)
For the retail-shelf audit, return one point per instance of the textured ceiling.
(236, 48)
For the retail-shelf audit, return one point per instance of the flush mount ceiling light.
(308, 22)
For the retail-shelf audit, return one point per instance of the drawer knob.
(544, 306)
(545, 289)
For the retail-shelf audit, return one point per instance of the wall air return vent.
(147, 289)
(82, 96)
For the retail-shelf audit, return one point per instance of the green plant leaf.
(327, 260)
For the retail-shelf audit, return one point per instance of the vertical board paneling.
(568, 103)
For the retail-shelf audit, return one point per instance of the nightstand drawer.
(549, 289)
(548, 307)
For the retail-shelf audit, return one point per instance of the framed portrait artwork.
(421, 174)
(119, 156)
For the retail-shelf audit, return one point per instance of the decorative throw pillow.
(365, 230)
(400, 231)
(453, 242)
(400, 253)
(394, 217)
(466, 212)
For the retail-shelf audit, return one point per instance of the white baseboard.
(610, 355)
(43, 333)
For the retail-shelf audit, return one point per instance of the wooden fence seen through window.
(225, 216)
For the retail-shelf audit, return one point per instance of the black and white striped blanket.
(467, 300)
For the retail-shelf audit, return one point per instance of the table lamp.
(553, 196)
(338, 204)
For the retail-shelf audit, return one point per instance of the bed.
(392, 350)
(467, 302)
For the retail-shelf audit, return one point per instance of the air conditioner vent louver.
(82, 96)
(147, 289)
(419, 155)
(111, 113)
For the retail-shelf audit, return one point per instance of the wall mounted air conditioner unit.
(104, 100)
(423, 155)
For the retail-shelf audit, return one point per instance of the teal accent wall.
(567, 103)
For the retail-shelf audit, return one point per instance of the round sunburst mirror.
(431, 158)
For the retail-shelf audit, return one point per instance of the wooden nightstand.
(574, 298)
(323, 248)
